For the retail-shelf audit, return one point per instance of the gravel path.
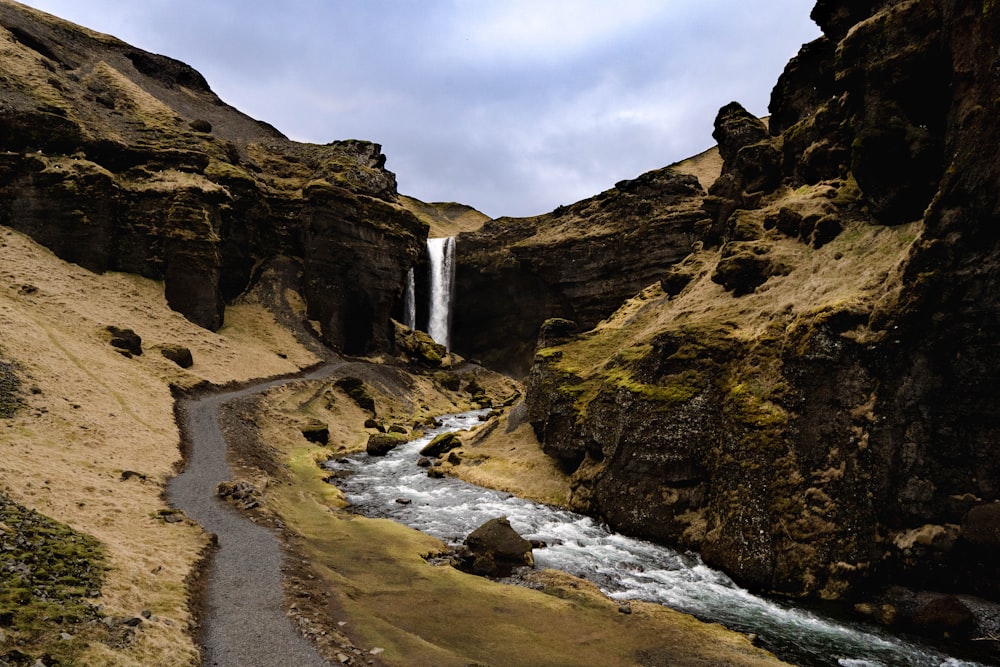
(243, 623)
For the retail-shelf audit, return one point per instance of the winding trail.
(244, 622)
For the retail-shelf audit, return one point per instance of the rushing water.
(625, 568)
(410, 300)
(440, 259)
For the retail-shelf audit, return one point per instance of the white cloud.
(544, 30)
(512, 106)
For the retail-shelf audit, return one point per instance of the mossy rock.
(745, 266)
(495, 548)
(449, 381)
(440, 445)
(555, 330)
(380, 444)
(419, 346)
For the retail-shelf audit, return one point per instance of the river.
(395, 487)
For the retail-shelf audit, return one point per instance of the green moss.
(10, 390)
(676, 388)
(49, 571)
(219, 171)
(633, 353)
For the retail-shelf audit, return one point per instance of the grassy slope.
(855, 272)
(97, 414)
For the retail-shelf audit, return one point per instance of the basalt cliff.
(810, 397)
(122, 160)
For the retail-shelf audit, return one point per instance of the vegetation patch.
(10, 390)
(49, 571)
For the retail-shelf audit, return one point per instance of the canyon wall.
(118, 159)
(811, 399)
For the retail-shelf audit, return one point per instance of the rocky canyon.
(781, 354)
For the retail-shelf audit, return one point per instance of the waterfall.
(440, 256)
(410, 300)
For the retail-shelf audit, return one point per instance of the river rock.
(380, 444)
(945, 617)
(495, 549)
(441, 445)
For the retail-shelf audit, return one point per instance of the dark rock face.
(316, 430)
(578, 262)
(117, 159)
(818, 446)
(125, 341)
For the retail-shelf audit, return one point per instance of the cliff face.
(578, 262)
(811, 399)
(118, 159)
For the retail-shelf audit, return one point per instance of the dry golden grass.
(511, 461)
(97, 414)
(705, 166)
(444, 219)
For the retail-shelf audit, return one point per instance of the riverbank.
(370, 580)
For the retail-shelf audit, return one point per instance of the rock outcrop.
(578, 262)
(812, 398)
(119, 159)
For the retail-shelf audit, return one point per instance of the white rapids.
(625, 568)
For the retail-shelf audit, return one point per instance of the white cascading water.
(440, 259)
(410, 300)
(625, 568)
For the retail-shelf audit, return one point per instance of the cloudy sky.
(511, 106)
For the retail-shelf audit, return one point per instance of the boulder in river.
(380, 444)
(442, 444)
(495, 549)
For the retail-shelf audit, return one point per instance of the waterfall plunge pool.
(624, 568)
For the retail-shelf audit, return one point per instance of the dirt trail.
(243, 622)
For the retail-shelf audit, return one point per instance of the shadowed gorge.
(780, 355)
